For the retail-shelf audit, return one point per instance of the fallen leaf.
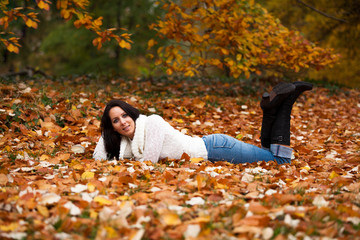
(170, 218)
(50, 198)
(195, 201)
(87, 175)
(3, 179)
(102, 200)
(192, 231)
(78, 148)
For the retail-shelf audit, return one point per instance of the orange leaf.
(124, 44)
(98, 21)
(151, 43)
(12, 48)
(170, 219)
(3, 179)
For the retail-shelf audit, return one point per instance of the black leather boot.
(269, 104)
(280, 133)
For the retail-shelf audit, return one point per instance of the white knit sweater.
(155, 139)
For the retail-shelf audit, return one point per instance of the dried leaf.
(87, 175)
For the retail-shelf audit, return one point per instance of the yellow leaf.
(30, 23)
(117, 168)
(189, 73)
(87, 175)
(124, 44)
(198, 38)
(78, 166)
(230, 62)
(9, 228)
(123, 198)
(300, 214)
(333, 175)
(224, 51)
(93, 214)
(98, 21)
(43, 210)
(169, 71)
(91, 187)
(170, 219)
(102, 200)
(151, 43)
(201, 219)
(43, 5)
(12, 48)
(307, 167)
(44, 157)
(215, 62)
(111, 233)
(221, 186)
(196, 160)
(66, 14)
(179, 120)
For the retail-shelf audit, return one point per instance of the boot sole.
(303, 86)
(281, 89)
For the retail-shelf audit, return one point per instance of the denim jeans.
(222, 147)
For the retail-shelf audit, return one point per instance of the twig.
(322, 13)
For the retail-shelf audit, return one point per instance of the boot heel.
(277, 95)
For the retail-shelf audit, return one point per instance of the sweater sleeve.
(99, 152)
(154, 138)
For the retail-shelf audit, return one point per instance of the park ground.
(51, 188)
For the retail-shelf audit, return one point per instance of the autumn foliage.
(51, 188)
(69, 9)
(238, 36)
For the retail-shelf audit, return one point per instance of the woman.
(128, 134)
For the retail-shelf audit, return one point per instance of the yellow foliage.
(338, 30)
(238, 34)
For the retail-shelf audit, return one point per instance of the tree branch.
(320, 12)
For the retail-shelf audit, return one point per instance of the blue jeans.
(222, 147)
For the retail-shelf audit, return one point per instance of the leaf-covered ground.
(51, 188)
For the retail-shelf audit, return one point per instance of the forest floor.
(51, 188)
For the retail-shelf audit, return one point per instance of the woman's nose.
(122, 121)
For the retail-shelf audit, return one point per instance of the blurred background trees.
(56, 47)
(334, 24)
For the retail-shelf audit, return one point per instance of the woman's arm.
(154, 138)
(100, 152)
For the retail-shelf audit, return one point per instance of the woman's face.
(122, 122)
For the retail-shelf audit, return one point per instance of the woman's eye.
(125, 115)
(115, 120)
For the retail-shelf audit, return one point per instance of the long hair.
(112, 138)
